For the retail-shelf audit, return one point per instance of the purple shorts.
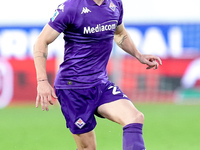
(79, 105)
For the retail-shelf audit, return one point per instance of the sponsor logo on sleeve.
(55, 15)
(61, 7)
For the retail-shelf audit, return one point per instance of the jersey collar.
(91, 2)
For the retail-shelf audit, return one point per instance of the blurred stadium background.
(169, 29)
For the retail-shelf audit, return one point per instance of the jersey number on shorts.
(114, 91)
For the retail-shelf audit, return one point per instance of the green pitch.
(167, 127)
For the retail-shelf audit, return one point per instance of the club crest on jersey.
(112, 6)
(80, 123)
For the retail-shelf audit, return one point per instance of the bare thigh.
(85, 141)
(121, 111)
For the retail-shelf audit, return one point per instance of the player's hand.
(150, 60)
(45, 92)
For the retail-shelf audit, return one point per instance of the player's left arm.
(124, 41)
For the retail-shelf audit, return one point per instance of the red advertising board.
(24, 79)
(160, 85)
(18, 79)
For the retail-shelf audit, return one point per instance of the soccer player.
(81, 85)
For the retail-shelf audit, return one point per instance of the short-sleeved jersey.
(88, 33)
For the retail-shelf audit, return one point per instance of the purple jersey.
(88, 33)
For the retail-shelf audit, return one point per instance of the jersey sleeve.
(62, 17)
(121, 12)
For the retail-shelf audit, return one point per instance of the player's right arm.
(45, 92)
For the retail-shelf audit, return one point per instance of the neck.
(98, 2)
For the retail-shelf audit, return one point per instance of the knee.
(85, 141)
(134, 118)
(139, 118)
(88, 147)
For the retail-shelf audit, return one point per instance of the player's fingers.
(37, 100)
(53, 94)
(50, 100)
(150, 64)
(158, 59)
(149, 67)
(156, 66)
(46, 106)
(42, 102)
